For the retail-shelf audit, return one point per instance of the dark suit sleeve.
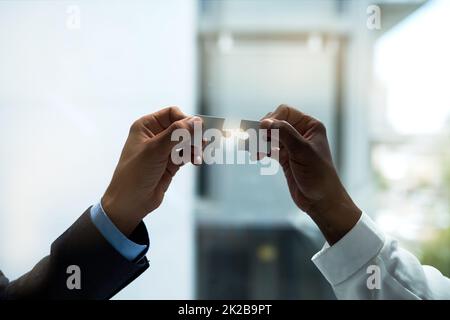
(103, 270)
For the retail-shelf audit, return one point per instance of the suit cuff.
(361, 244)
(126, 247)
(104, 271)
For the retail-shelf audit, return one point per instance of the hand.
(311, 176)
(145, 169)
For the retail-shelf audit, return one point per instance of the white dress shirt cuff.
(361, 244)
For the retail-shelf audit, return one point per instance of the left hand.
(145, 169)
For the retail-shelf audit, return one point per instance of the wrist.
(121, 215)
(335, 216)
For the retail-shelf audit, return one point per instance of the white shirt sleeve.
(365, 264)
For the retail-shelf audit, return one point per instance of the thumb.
(164, 141)
(289, 137)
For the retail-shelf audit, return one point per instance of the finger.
(287, 113)
(283, 155)
(279, 154)
(261, 155)
(163, 141)
(266, 116)
(162, 119)
(288, 136)
(299, 120)
(164, 182)
(168, 175)
(295, 192)
(196, 155)
(172, 168)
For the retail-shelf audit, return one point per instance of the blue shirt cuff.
(127, 248)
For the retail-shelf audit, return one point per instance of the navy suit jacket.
(103, 271)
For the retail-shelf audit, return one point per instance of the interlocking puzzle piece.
(244, 143)
(212, 122)
(249, 124)
(244, 125)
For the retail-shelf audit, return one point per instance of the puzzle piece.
(244, 143)
(249, 124)
(244, 125)
(212, 122)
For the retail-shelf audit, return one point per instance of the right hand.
(311, 176)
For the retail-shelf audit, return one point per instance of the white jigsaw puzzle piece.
(212, 122)
(244, 143)
(228, 127)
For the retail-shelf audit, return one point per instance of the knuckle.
(166, 110)
(135, 125)
(282, 108)
(175, 112)
(179, 124)
(175, 109)
(281, 125)
(320, 127)
(276, 124)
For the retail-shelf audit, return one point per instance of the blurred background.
(75, 74)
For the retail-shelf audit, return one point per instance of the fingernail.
(198, 160)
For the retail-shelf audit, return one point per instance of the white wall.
(67, 98)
